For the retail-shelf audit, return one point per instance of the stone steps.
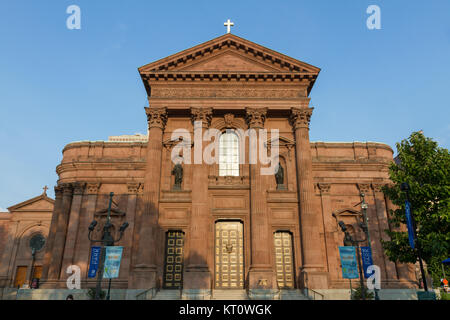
(229, 295)
(167, 295)
(292, 294)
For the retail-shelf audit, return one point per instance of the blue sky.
(59, 85)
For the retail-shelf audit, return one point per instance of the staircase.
(292, 294)
(229, 295)
(167, 295)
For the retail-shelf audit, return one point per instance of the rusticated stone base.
(261, 278)
(313, 279)
(144, 277)
(197, 278)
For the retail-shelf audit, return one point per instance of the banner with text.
(366, 255)
(95, 259)
(348, 262)
(113, 258)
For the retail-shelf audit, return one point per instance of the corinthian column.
(198, 275)
(61, 233)
(145, 269)
(261, 275)
(312, 271)
(52, 232)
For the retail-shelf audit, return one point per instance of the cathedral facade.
(202, 226)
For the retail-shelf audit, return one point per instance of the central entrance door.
(229, 255)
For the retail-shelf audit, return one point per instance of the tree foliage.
(425, 167)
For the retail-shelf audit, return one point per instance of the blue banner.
(112, 262)
(409, 223)
(95, 259)
(348, 262)
(366, 256)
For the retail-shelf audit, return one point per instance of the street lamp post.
(350, 241)
(106, 240)
(364, 207)
(405, 187)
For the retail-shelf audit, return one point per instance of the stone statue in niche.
(279, 177)
(177, 171)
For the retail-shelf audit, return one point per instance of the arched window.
(229, 154)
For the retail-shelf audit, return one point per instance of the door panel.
(173, 268)
(284, 260)
(229, 255)
(21, 276)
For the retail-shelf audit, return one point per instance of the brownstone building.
(222, 225)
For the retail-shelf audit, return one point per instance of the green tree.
(425, 167)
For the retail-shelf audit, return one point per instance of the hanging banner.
(366, 256)
(348, 262)
(95, 259)
(113, 258)
(409, 223)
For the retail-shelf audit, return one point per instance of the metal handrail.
(318, 293)
(156, 290)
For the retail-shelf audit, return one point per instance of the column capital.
(324, 188)
(364, 187)
(300, 118)
(133, 187)
(92, 188)
(255, 117)
(58, 191)
(377, 187)
(78, 187)
(156, 117)
(67, 188)
(202, 114)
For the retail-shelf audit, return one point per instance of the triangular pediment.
(228, 61)
(39, 203)
(229, 53)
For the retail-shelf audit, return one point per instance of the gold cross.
(45, 189)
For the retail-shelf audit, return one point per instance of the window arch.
(229, 154)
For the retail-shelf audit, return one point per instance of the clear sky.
(59, 85)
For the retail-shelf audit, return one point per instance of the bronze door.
(21, 276)
(173, 269)
(284, 261)
(229, 255)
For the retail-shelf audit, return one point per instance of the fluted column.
(82, 256)
(329, 229)
(374, 230)
(145, 269)
(61, 233)
(72, 229)
(198, 275)
(53, 227)
(128, 236)
(312, 271)
(261, 275)
(381, 210)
